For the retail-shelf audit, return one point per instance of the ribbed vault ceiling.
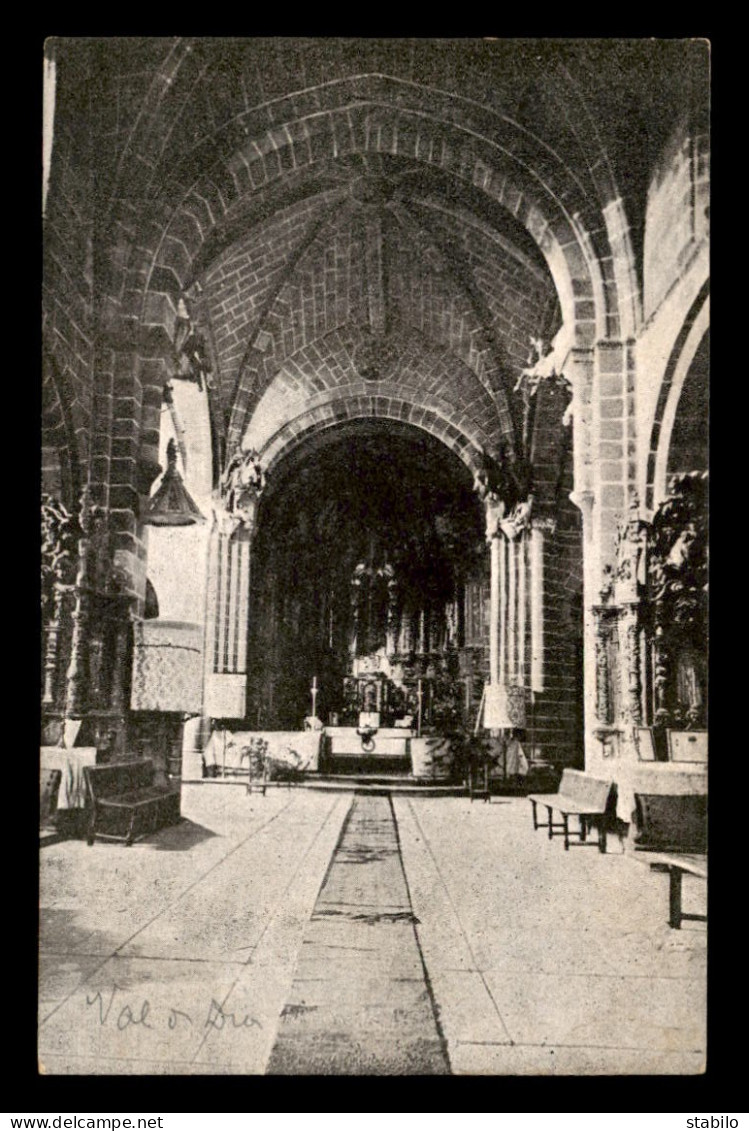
(308, 193)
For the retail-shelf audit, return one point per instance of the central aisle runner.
(360, 1002)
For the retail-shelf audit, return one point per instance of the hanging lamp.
(172, 504)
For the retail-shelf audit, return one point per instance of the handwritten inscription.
(125, 1014)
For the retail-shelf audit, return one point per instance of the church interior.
(374, 464)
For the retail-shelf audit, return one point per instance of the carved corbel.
(242, 484)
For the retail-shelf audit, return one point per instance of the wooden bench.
(127, 803)
(672, 837)
(671, 823)
(580, 795)
(676, 864)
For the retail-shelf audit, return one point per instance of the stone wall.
(677, 215)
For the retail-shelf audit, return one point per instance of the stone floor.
(325, 933)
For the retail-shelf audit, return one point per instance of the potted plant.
(470, 752)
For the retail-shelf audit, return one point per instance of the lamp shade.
(172, 504)
(504, 707)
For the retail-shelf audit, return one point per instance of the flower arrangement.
(256, 752)
(286, 769)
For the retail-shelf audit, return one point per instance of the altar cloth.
(72, 794)
(299, 749)
(385, 742)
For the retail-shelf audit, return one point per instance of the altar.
(70, 762)
(384, 742)
(227, 752)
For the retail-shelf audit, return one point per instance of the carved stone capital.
(547, 524)
(512, 524)
(230, 523)
(495, 512)
(242, 484)
(584, 500)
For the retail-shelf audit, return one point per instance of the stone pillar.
(495, 539)
(505, 701)
(50, 649)
(630, 632)
(512, 587)
(77, 673)
(227, 620)
(660, 675)
(585, 501)
(522, 564)
(537, 607)
(603, 705)
(119, 666)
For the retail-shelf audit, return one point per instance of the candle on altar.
(418, 717)
(313, 689)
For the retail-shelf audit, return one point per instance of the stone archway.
(686, 346)
(366, 536)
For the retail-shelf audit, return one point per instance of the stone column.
(50, 650)
(537, 607)
(660, 676)
(494, 511)
(512, 587)
(227, 622)
(522, 556)
(119, 664)
(77, 673)
(630, 584)
(540, 527)
(630, 632)
(603, 704)
(585, 501)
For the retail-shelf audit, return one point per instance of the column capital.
(584, 501)
(495, 511)
(231, 523)
(518, 520)
(545, 523)
(242, 484)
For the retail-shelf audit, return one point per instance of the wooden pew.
(672, 837)
(579, 795)
(676, 864)
(127, 803)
